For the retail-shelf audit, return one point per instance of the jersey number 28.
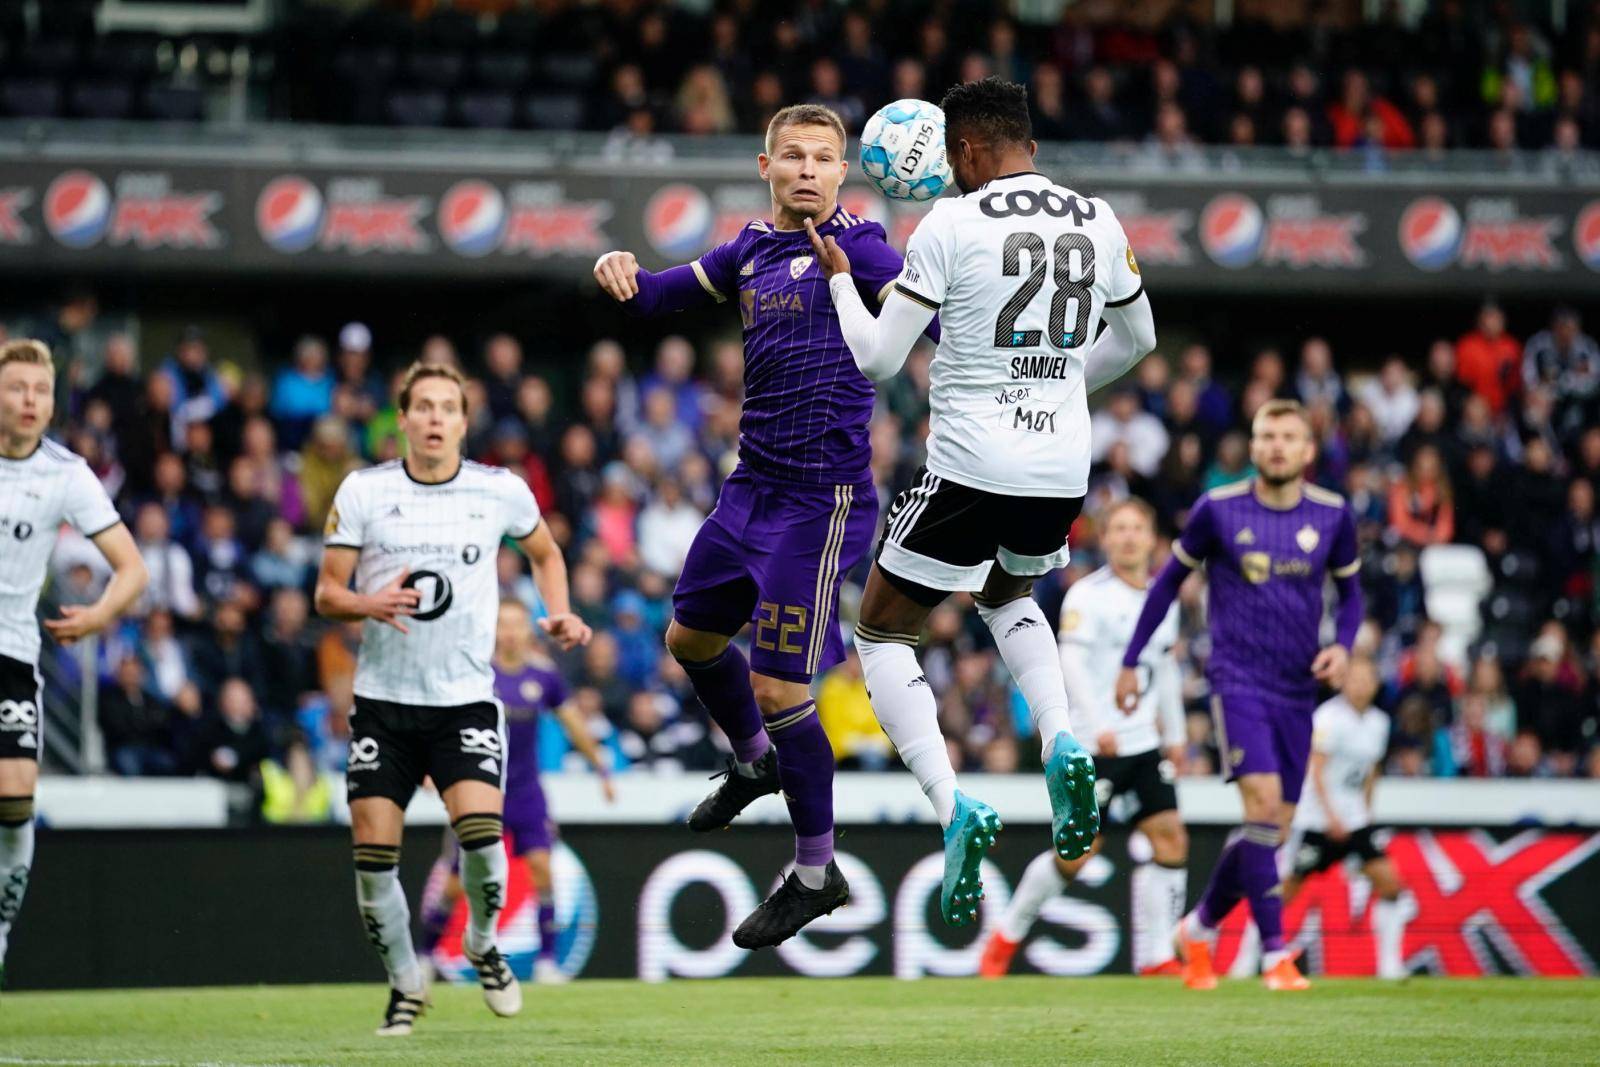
(1068, 288)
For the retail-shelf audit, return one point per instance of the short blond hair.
(805, 115)
(1133, 503)
(27, 350)
(419, 370)
(1280, 408)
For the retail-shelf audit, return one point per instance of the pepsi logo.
(678, 220)
(1430, 233)
(1586, 235)
(1231, 229)
(77, 209)
(289, 214)
(472, 218)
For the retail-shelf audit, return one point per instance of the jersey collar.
(460, 466)
(1012, 175)
(834, 221)
(38, 445)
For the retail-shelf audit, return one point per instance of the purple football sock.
(1258, 873)
(805, 771)
(1223, 890)
(723, 686)
(547, 929)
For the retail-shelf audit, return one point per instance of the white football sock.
(1389, 926)
(909, 714)
(1041, 881)
(485, 877)
(388, 922)
(1027, 643)
(16, 860)
(1158, 896)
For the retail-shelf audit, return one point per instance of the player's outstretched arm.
(1129, 336)
(334, 599)
(879, 344)
(550, 575)
(129, 576)
(641, 292)
(578, 733)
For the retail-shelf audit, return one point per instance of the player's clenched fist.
(567, 630)
(618, 274)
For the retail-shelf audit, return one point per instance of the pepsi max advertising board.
(1200, 236)
(658, 903)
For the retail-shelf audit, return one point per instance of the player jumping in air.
(1349, 738)
(42, 485)
(526, 684)
(1020, 271)
(796, 514)
(1137, 754)
(419, 535)
(1269, 544)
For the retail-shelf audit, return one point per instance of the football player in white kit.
(1020, 271)
(1349, 739)
(42, 485)
(419, 536)
(1137, 754)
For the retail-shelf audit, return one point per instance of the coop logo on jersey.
(289, 214)
(143, 211)
(577, 917)
(77, 209)
(1294, 231)
(13, 231)
(472, 218)
(678, 220)
(1491, 233)
(1586, 235)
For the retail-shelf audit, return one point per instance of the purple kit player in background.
(526, 685)
(796, 514)
(1269, 545)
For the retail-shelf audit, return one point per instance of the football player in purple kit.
(1269, 544)
(796, 514)
(526, 685)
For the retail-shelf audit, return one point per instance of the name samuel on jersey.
(1035, 367)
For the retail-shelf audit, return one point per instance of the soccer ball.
(902, 151)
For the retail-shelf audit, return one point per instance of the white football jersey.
(37, 495)
(1020, 272)
(1097, 621)
(1354, 742)
(446, 536)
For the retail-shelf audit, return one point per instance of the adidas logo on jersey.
(748, 269)
(394, 512)
(921, 679)
(1244, 537)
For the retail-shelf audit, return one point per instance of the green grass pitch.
(836, 1023)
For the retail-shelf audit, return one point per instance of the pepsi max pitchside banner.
(1222, 236)
(654, 903)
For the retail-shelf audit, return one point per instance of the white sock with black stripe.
(16, 860)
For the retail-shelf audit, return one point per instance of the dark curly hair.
(988, 111)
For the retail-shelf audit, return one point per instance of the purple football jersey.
(1266, 569)
(525, 694)
(806, 404)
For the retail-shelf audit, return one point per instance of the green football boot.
(1075, 815)
(967, 839)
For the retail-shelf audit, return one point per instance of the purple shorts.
(527, 818)
(772, 554)
(1259, 733)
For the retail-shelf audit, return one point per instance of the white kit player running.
(420, 536)
(1137, 754)
(42, 485)
(1020, 271)
(1349, 739)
